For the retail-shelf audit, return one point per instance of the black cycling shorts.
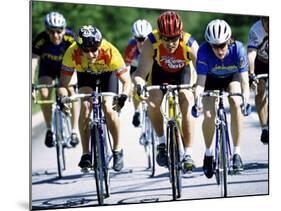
(261, 67)
(215, 83)
(108, 81)
(50, 70)
(160, 76)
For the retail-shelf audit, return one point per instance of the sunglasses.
(87, 50)
(54, 31)
(170, 39)
(140, 39)
(219, 46)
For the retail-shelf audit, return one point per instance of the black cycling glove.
(252, 78)
(119, 102)
(139, 89)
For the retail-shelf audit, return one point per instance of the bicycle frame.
(223, 150)
(173, 137)
(147, 138)
(100, 144)
(61, 126)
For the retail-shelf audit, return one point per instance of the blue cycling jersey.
(234, 61)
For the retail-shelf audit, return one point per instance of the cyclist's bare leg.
(261, 102)
(235, 112)
(208, 125)
(113, 122)
(45, 94)
(155, 115)
(85, 111)
(186, 100)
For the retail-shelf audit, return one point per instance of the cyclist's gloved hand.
(119, 102)
(139, 89)
(65, 107)
(253, 81)
(246, 109)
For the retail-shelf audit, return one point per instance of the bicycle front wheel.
(174, 160)
(223, 159)
(59, 121)
(97, 160)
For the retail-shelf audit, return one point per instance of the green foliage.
(115, 22)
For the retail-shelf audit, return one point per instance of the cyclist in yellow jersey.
(167, 53)
(95, 59)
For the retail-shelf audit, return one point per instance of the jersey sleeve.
(253, 40)
(68, 63)
(129, 52)
(242, 58)
(202, 62)
(117, 62)
(38, 43)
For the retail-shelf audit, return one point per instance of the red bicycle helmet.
(169, 24)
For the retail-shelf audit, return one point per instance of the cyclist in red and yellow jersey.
(140, 30)
(95, 59)
(167, 53)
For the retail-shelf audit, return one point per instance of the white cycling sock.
(208, 152)
(236, 150)
(264, 127)
(162, 140)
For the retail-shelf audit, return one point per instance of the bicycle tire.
(224, 159)
(59, 145)
(174, 166)
(106, 145)
(101, 172)
(153, 153)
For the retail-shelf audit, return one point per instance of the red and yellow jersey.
(171, 62)
(109, 60)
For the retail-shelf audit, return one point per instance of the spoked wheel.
(174, 161)
(101, 174)
(222, 170)
(153, 153)
(59, 144)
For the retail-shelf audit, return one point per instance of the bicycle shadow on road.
(51, 177)
(81, 200)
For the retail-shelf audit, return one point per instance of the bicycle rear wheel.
(174, 160)
(97, 160)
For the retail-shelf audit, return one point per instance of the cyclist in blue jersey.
(258, 55)
(221, 64)
(48, 49)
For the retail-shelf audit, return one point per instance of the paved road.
(134, 185)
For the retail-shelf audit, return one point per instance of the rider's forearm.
(127, 83)
(245, 86)
(34, 64)
(251, 57)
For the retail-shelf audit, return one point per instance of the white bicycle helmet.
(217, 32)
(55, 20)
(141, 28)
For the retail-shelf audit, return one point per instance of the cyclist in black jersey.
(48, 49)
